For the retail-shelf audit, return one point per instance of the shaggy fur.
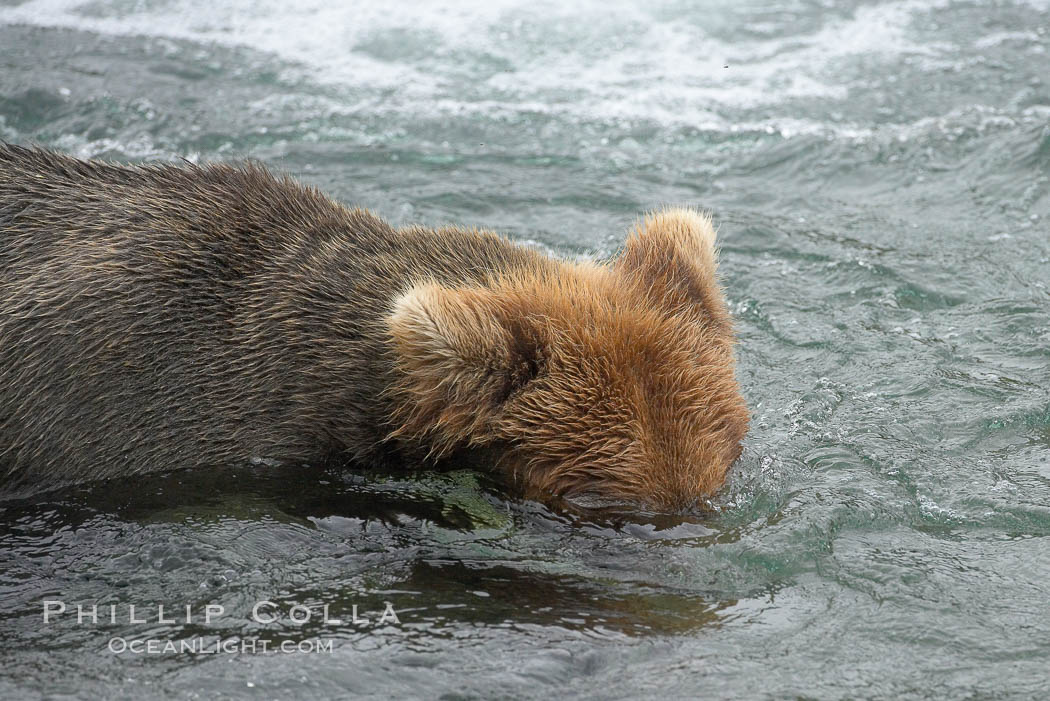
(156, 317)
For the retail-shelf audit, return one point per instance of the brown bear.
(163, 316)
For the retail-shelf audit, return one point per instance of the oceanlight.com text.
(229, 646)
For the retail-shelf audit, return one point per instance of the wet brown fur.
(154, 317)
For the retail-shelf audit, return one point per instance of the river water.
(881, 175)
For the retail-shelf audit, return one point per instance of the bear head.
(611, 381)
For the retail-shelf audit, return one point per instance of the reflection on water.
(443, 553)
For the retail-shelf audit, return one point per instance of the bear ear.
(458, 358)
(672, 256)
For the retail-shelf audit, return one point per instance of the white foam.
(589, 59)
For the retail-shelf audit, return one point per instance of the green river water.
(880, 172)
